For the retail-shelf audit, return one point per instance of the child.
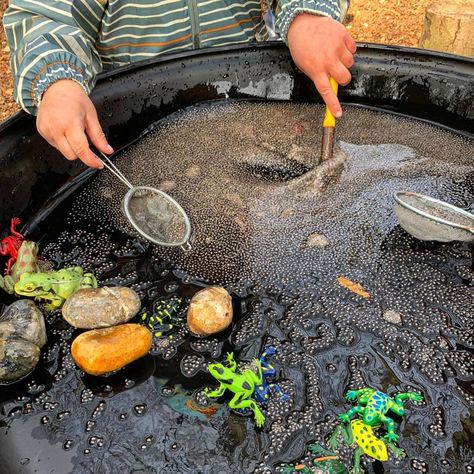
(58, 48)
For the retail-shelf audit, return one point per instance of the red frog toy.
(9, 245)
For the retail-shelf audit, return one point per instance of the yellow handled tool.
(329, 126)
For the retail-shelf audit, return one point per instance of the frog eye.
(219, 370)
(29, 287)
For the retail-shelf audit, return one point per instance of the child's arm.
(52, 45)
(49, 41)
(319, 44)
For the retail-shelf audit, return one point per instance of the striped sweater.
(76, 39)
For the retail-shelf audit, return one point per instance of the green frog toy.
(26, 262)
(242, 385)
(374, 407)
(361, 436)
(325, 462)
(55, 286)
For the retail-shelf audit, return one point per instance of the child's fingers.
(340, 73)
(95, 132)
(63, 146)
(321, 82)
(77, 140)
(347, 58)
(350, 44)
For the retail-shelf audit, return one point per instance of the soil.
(377, 21)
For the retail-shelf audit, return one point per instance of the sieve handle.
(115, 171)
(186, 247)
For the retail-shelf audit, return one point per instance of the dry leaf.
(354, 287)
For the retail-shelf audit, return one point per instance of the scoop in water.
(155, 215)
(426, 218)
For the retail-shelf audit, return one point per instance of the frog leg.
(316, 449)
(356, 468)
(55, 301)
(240, 403)
(353, 394)
(230, 361)
(346, 417)
(258, 377)
(398, 453)
(268, 370)
(346, 434)
(390, 425)
(7, 284)
(89, 280)
(401, 397)
(215, 393)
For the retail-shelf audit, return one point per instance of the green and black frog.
(241, 384)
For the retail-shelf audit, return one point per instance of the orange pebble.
(100, 351)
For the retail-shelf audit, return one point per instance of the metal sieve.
(426, 218)
(155, 215)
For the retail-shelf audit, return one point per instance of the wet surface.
(256, 206)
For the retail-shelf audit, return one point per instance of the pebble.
(210, 311)
(101, 351)
(392, 316)
(22, 335)
(93, 308)
(317, 240)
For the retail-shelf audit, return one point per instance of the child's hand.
(66, 117)
(322, 47)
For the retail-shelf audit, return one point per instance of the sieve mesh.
(156, 216)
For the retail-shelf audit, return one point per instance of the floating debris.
(356, 288)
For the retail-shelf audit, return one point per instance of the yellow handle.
(329, 120)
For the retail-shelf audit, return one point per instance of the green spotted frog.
(242, 385)
(26, 262)
(55, 286)
(374, 405)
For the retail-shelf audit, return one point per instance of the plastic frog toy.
(326, 462)
(9, 245)
(164, 319)
(377, 404)
(362, 436)
(242, 385)
(26, 262)
(55, 287)
(262, 391)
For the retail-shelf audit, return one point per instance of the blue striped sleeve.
(51, 40)
(287, 10)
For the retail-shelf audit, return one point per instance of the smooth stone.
(22, 335)
(210, 311)
(392, 316)
(92, 308)
(101, 351)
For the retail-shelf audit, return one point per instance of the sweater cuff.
(50, 69)
(293, 8)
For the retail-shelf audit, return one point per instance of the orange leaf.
(354, 287)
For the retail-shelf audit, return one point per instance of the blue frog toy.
(262, 392)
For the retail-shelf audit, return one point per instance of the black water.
(328, 340)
